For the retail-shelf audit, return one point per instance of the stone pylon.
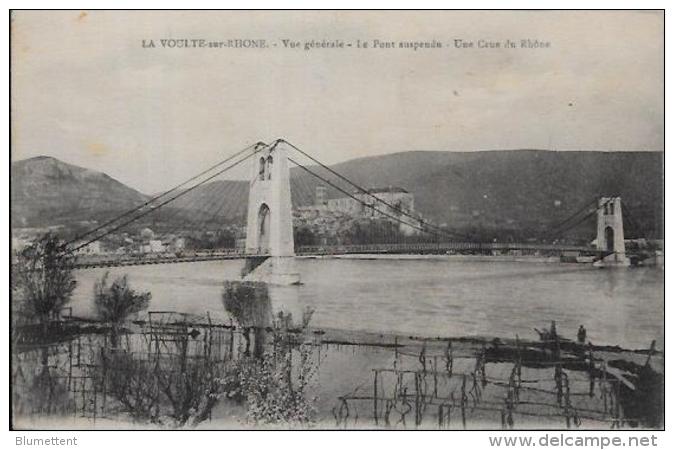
(270, 223)
(610, 233)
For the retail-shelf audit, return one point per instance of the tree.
(115, 303)
(43, 280)
(249, 304)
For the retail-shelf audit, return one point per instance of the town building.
(152, 246)
(387, 203)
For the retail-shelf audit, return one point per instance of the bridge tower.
(269, 228)
(610, 233)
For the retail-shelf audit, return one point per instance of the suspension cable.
(633, 222)
(358, 200)
(572, 216)
(180, 194)
(212, 193)
(365, 191)
(157, 197)
(582, 219)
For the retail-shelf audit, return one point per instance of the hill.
(515, 193)
(519, 190)
(46, 191)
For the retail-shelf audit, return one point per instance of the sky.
(86, 91)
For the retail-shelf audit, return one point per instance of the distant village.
(331, 217)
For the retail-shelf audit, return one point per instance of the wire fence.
(445, 391)
(172, 369)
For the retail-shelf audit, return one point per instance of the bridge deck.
(326, 250)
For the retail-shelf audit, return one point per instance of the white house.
(152, 246)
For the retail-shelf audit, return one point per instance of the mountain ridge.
(44, 188)
(521, 190)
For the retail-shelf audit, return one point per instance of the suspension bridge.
(270, 249)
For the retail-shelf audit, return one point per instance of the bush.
(43, 280)
(249, 305)
(248, 302)
(272, 394)
(115, 303)
(274, 389)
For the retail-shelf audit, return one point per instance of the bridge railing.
(434, 246)
(154, 258)
(421, 247)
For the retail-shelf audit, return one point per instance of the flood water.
(426, 297)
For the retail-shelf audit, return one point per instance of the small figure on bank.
(582, 334)
(553, 331)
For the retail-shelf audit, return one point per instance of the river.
(426, 297)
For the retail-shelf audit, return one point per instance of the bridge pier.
(280, 270)
(269, 230)
(610, 233)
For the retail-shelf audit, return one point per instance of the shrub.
(115, 303)
(249, 305)
(273, 396)
(274, 389)
(43, 280)
(248, 302)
